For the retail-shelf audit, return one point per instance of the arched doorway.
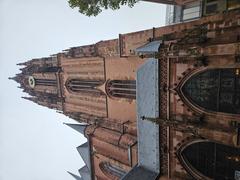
(215, 90)
(208, 159)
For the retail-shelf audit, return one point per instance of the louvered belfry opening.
(83, 85)
(122, 88)
(46, 82)
(215, 90)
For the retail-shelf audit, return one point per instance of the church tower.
(94, 85)
(184, 81)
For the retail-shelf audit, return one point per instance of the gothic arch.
(111, 171)
(78, 85)
(121, 88)
(204, 159)
(212, 90)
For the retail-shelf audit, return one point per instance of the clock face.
(31, 81)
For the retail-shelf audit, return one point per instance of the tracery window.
(82, 85)
(212, 160)
(215, 90)
(122, 88)
(111, 170)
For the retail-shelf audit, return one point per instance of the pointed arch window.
(215, 90)
(211, 160)
(82, 85)
(122, 88)
(111, 171)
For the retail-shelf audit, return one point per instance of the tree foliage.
(94, 7)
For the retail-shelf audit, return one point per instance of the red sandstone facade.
(188, 122)
(80, 83)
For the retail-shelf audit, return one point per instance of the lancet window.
(83, 85)
(122, 88)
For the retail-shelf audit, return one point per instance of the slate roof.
(148, 167)
(84, 152)
(78, 127)
(75, 176)
(149, 48)
(85, 173)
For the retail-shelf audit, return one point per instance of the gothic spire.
(33, 99)
(16, 78)
(22, 64)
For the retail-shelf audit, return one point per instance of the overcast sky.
(34, 143)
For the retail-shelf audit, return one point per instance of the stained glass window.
(213, 160)
(215, 90)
